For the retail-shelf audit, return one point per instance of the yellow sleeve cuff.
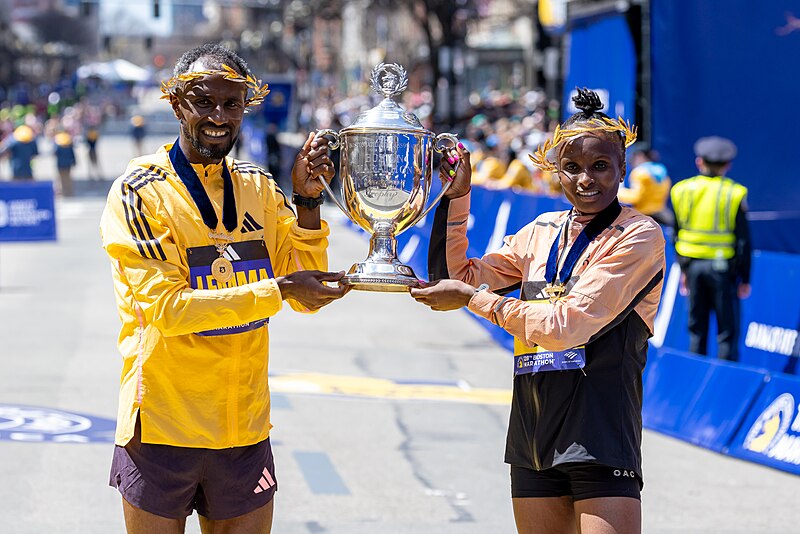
(305, 239)
(268, 295)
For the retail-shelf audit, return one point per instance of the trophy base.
(383, 277)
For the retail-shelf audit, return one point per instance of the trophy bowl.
(385, 172)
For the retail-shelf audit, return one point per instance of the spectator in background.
(712, 241)
(647, 187)
(273, 149)
(491, 168)
(65, 160)
(92, 136)
(517, 177)
(20, 148)
(138, 131)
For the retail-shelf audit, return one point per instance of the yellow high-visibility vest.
(705, 209)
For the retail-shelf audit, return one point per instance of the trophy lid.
(388, 80)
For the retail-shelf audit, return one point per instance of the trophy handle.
(333, 144)
(438, 148)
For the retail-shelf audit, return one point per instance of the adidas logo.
(265, 482)
(250, 224)
(231, 254)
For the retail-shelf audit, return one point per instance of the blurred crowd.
(503, 129)
(58, 122)
(500, 128)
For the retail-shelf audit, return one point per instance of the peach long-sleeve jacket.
(609, 305)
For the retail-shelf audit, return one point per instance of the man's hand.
(310, 163)
(444, 295)
(308, 288)
(455, 167)
(684, 287)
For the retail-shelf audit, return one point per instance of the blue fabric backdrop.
(602, 57)
(732, 70)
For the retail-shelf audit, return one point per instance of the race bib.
(536, 359)
(251, 263)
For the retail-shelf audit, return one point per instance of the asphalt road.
(388, 417)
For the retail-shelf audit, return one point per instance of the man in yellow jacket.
(204, 250)
(712, 241)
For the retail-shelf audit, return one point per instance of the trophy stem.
(382, 245)
(382, 270)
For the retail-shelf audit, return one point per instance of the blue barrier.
(672, 383)
(27, 211)
(771, 316)
(770, 433)
(698, 399)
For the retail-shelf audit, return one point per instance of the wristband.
(481, 287)
(497, 309)
(308, 202)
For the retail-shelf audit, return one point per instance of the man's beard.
(206, 151)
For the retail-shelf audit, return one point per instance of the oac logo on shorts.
(26, 423)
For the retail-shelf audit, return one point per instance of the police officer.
(712, 241)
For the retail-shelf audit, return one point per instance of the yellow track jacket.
(194, 354)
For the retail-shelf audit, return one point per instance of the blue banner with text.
(27, 211)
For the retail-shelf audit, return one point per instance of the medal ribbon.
(600, 222)
(198, 192)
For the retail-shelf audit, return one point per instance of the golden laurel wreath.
(604, 124)
(259, 90)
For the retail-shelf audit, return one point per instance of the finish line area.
(387, 417)
(378, 388)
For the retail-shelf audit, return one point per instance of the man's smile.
(214, 133)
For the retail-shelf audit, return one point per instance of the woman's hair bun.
(587, 101)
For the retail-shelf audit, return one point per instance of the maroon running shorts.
(172, 481)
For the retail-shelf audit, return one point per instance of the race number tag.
(536, 359)
(248, 261)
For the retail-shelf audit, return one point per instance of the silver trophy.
(385, 171)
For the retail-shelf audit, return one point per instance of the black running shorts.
(577, 480)
(172, 481)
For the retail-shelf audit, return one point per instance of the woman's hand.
(455, 167)
(444, 295)
(310, 163)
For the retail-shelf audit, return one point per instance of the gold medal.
(221, 270)
(554, 291)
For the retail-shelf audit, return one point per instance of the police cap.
(715, 149)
